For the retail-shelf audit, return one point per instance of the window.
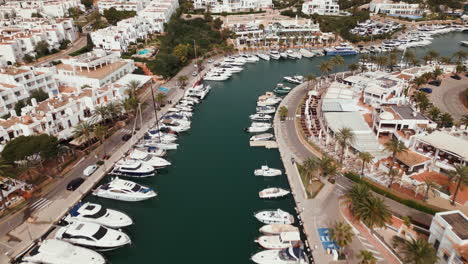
(436, 244)
(446, 257)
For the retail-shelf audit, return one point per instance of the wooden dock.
(269, 144)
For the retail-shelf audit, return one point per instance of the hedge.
(408, 202)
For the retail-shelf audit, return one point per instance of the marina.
(207, 183)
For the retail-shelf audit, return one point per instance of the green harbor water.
(204, 211)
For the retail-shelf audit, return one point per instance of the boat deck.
(269, 144)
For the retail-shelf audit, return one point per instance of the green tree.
(409, 56)
(337, 61)
(421, 100)
(217, 23)
(392, 173)
(42, 48)
(113, 16)
(416, 251)
(160, 98)
(432, 55)
(310, 78)
(366, 257)
(38, 94)
(437, 73)
(74, 12)
(354, 196)
(18, 106)
(430, 186)
(101, 113)
(101, 133)
(345, 137)
(183, 80)
(464, 120)
(114, 110)
(87, 3)
(395, 146)
(434, 113)
(460, 68)
(36, 148)
(132, 87)
(84, 130)
(342, 234)
(460, 177)
(325, 67)
(365, 157)
(283, 112)
(28, 58)
(419, 81)
(130, 105)
(181, 51)
(446, 120)
(460, 55)
(373, 212)
(4, 166)
(64, 44)
(353, 67)
(309, 167)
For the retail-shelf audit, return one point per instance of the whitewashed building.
(19, 36)
(122, 5)
(449, 235)
(45, 8)
(321, 7)
(232, 6)
(395, 8)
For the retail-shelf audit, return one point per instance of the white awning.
(447, 143)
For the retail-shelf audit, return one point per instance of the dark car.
(126, 137)
(426, 90)
(435, 82)
(74, 184)
(456, 77)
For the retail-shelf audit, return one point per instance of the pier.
(269, 144)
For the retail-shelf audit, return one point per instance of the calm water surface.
(204, 211)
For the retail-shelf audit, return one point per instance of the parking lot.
(447, 96)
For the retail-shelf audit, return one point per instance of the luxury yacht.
(267, 172)
(274, 54)
(53, 251)
(281, 89)
(250, 58)
(262, 137)
(178, 129)
(124, 190)
(159, 145)
(297, 79)
(306, 53)
(276, 229)
(292, 255)
(133, 168)
(268, 99)
(260, 117)
(263, 56)
(148, 159)
(155, 151)
(273, 193)
(96, 213)
(93, 236)
(266, 109)
(175, 122)
(293, 54)
(274, 217)
(215, 77)
(281, 241)
(230, 68)
(159, 136)
(258, 127)
(284, 55)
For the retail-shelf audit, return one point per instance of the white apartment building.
(149, 20)
(96, 69)
(395, 9)
(17, 83)
(46, 8)
(19, 36)
(232, 6)
(449, 235)
(122, 5)
(321, 7)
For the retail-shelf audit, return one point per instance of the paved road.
(447, 96)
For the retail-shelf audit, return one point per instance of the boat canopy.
(290, 236)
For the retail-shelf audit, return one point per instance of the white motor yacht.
(54, 251)
(132, 168)
(93, 236)
(154, 151)
(96, 213)
(230, 68)
(292, 255)
(124, 190)
(293, 55)
(175, 122)
(159, 145)
(160, 136)
(276, 229)
(215, 77)
(297, 79)
(281, 241)
(260, 117)
(273, 193)
(284, 55)
(192, 99)
(266, 109)
(178, 129)
(262, 137)
(267, 172)
(263, 56)
(306, 53)
(274, 217)
(274, 54)
(258, 127)
(250, 58)
(268, 99)
(148, 159)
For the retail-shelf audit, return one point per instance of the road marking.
(126, 131)
(41, 203)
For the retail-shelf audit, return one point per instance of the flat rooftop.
(459, 224)
(406, 112)
(99, 73)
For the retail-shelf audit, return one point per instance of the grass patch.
(80, 51)
(392, 195)
(312, 189)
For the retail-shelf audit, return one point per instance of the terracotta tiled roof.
(411, 158)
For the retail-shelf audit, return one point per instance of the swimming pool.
(144, 52)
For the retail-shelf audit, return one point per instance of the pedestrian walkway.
(41, 203)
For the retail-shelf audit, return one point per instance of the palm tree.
(183, 80)
(426, 59)
(464, 120)
(409, 56)
(460, 55)
(421, 100)
(419, 81)
(325, 67)
(310, 78)
(160, 98)
(114, 110)
(132, 87)
(460, 68)
(446, 120)
(130, 104)
(353, 67)
(437, 72)
(460, 177)
(100, 113)
(430, 186)
(416, 251)
(366, 257)
(445, 60)
(101, 133)
(324, 164)
(337, 61)
(434, 113)
(365, 157)
(433, 55)
(373, 212)
(395, 146)
(309, 166)
(392, 173)
(283, 112)
(83, 129)
(342, 234)
(355, 195)
(345, 137)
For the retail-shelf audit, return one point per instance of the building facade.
(321, 7)
(232, 6)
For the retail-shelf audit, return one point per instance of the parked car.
(89, 170)
(74, 184)
(126, 137)
(194, 73)
(210, 61)
(426, 90)
(456, 77)
(435, 82)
